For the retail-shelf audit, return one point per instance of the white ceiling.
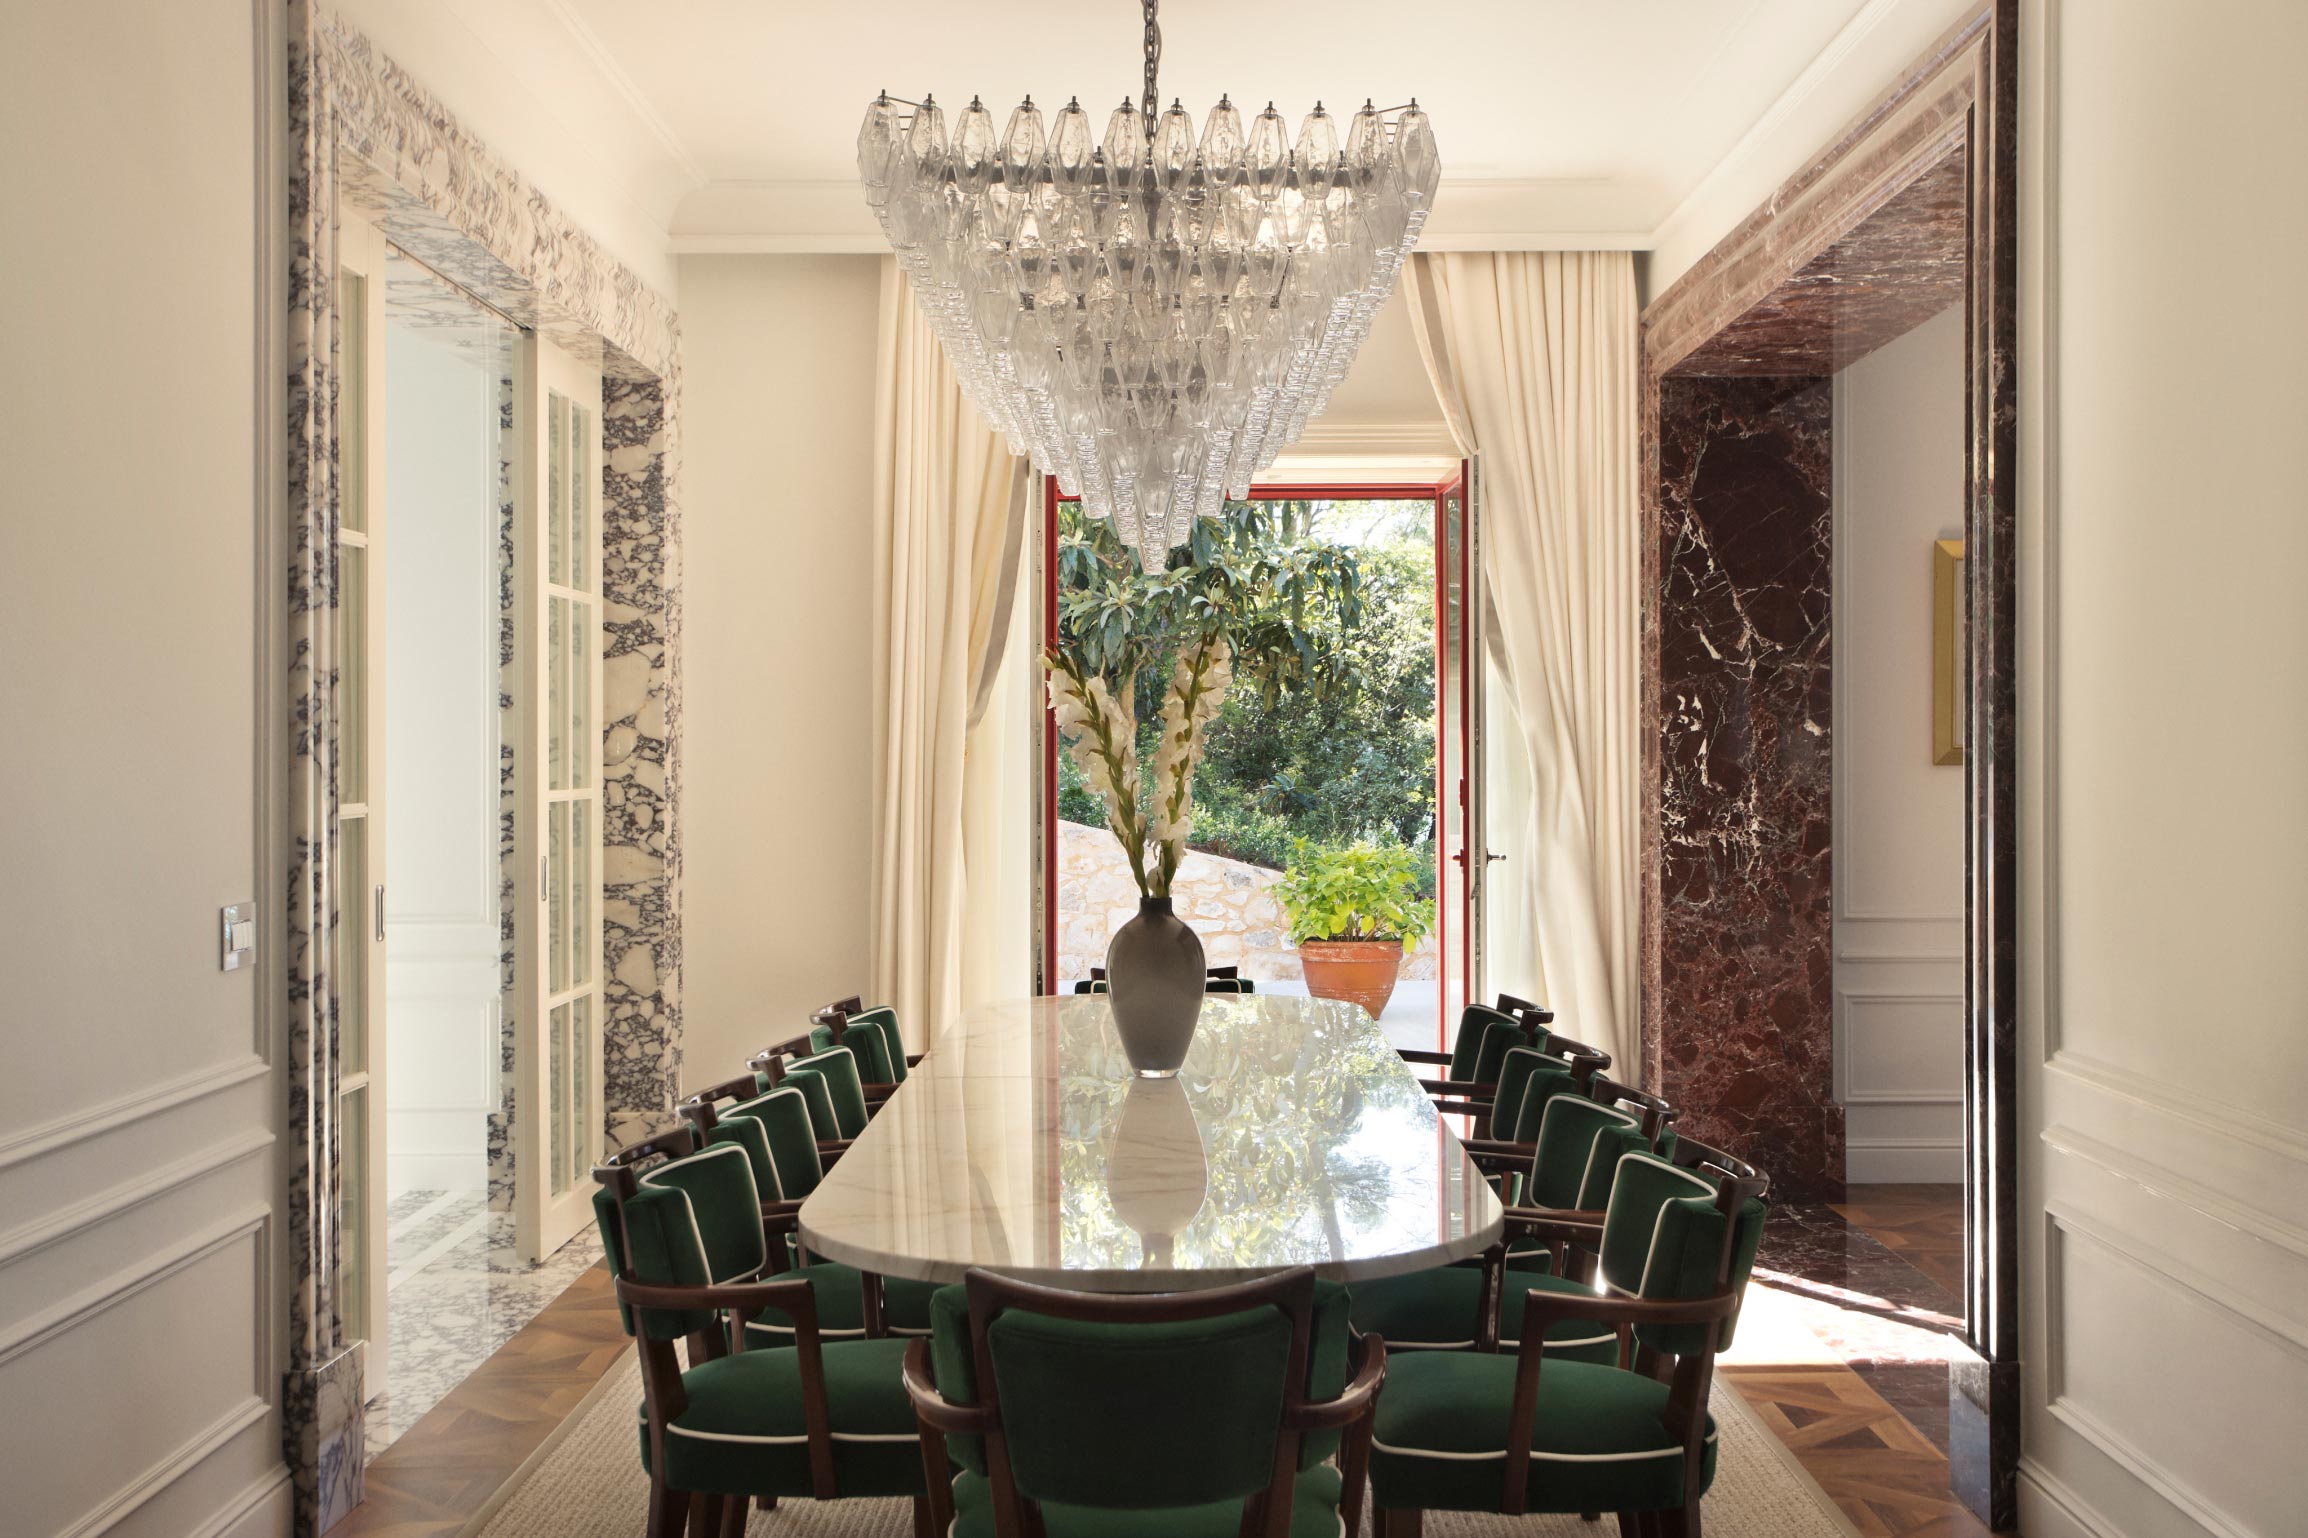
(1559, 120)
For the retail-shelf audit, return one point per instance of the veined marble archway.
(367, 136)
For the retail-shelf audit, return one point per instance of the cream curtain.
(1534, 358)
(950, 514)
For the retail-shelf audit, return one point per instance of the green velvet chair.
(873, 1034)
(683, 1232)
(831, 1080)
(1525, 1432)
(774, 1130)
(1206, 1414)
(1567, 1173)
(1476, 1069)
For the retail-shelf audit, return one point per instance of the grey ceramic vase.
(1154, 980)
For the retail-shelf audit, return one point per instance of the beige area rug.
(586, 1482)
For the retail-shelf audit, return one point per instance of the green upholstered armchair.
(828, 1419)
(775, 1131)
(1567, 1173)
(1528, 1432)
(873, 1034)
(1190, 1415)
(1473, 1077)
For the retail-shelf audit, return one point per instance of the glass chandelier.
(1154, 316)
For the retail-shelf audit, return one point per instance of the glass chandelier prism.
(1151, 316)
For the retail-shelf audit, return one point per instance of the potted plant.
(1353, 913)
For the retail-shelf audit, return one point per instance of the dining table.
(1024, 1143)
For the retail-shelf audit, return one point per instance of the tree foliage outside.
(1328, 734)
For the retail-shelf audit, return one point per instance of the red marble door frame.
(1911, 207)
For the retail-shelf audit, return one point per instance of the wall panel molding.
(134, 1495)
(73, 1128)
(128, 1195)
(111, 1291)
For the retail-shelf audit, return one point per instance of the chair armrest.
(1553, 1307)
(875, 1089)
(1479, 1146)
(742, 1299)
(1461, 1089)
(913, 1059)
(832, 1149)
(932, 1408)
(1415, 1055)
(1353, 1401)
(1463, 1107)
(1550, 1223)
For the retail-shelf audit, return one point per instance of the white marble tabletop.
(1294, 1135)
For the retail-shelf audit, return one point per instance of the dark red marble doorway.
(1912, 208)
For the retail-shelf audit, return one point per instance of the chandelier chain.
(1153, 98)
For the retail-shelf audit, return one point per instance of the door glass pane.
(581, 492)
(581, 1054)
(353, 673)
(557, 1112)
(557, 682)
(557, 488)
(580, 893)
(353, 1210)
(557, 896)
(353, 398)
(354, 925)
(583, 637)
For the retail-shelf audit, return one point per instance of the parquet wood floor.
(1923, 1225)
(444, 1468)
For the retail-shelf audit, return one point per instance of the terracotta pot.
(1358, 971)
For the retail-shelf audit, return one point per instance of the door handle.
(1488, 857)
(380, 901)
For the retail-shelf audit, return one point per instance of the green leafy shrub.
(1360, 892)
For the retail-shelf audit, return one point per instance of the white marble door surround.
(364, 133)
(1294, 1135)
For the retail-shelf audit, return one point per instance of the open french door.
(557, 1114)
(1461, 853)
(359, 871)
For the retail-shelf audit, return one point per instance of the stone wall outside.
(1226, 901)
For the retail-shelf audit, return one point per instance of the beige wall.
(128, 514)
(2164, 852)
(1899, 474)
(777, 659)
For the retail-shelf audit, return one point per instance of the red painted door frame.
(1372, 491)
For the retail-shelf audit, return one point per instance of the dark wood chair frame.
(663, 1398)
(1688, 1377)
(1464, 1097)
(1266, 1514)
(781, 1219)
(1499, 1159)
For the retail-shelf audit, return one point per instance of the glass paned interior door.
(358, 873)
(558, 1108)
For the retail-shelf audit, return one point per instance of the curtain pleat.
(1533, 357)
(950, 508)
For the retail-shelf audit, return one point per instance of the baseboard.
(1890, 1161)
(2049, 1507)
(266, 1509)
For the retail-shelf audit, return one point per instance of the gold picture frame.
(1950, 659)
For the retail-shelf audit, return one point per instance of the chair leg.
(1400, 1524)
(765, 1503)
(733, 1514)
(922, 1524)
(667, 1509)
(1680, 1522)
(705, 1516)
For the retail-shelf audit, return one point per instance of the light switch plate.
(239, 936)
